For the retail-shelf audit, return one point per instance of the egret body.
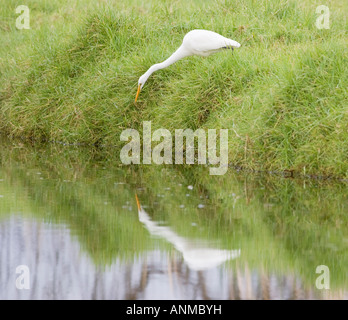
(196, 42)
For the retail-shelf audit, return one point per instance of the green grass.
(73, 77)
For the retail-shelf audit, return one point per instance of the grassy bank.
(73, 76)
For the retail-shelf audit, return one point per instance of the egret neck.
(180, 53)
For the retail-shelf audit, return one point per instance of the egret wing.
(205, 41)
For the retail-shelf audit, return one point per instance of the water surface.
(70, 215)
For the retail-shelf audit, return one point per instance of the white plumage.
(205, 43)
(196, 42)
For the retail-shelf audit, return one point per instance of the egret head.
(141, 83)
(236, 44)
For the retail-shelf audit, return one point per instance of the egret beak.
(138, 203)
(136, 97)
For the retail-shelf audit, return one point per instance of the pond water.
(74, 224)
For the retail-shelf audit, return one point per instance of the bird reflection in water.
(197, 256)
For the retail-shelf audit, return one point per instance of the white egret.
(196, 42)
(195, 254)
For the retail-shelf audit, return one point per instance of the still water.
(74, 224)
